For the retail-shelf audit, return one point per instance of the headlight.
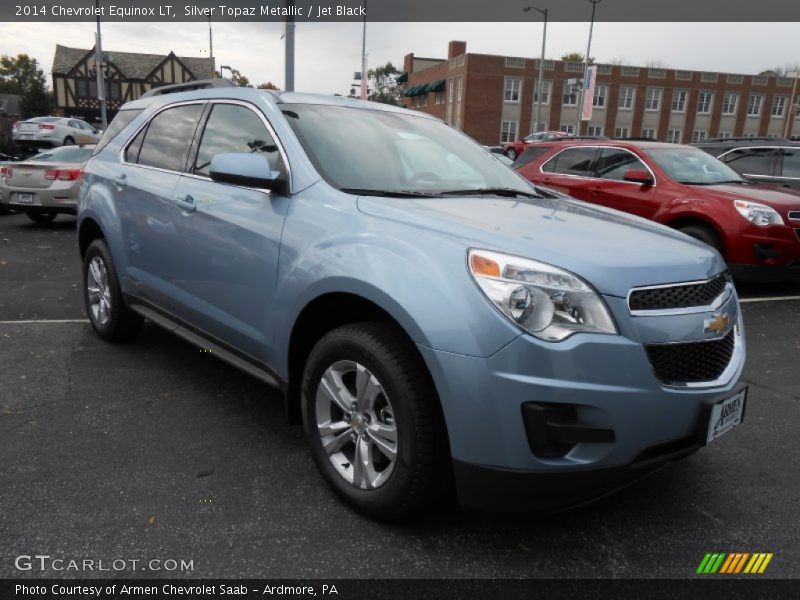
(545, 301)
(758, 214)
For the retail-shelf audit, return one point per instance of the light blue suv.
(437, 324)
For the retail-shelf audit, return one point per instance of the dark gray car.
(764, 160)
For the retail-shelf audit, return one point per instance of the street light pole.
(364, 81)
(98, 62)
(211, 46)
(787, 125)
(289, 49)
(539, 84)
(586, 65)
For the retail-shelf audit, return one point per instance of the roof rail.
(198, 84)
(571, 138)
(746, 139)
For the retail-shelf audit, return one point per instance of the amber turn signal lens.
(484, 266)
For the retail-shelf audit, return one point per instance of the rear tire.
(42, 217)
(111, 320)
(704, 234)
(68, 141)
(393, 413)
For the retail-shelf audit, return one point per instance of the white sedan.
(55, 131)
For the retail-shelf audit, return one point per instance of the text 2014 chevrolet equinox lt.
(434, 322)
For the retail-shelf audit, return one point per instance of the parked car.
(54, 131)
(430, 318)
(46, 184)
(763, 160)
(514, 149)
(756, 229)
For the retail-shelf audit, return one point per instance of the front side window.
(692, 166)
(652, 101)
(234, 128)
(512, 88)
(626, 94)
(572, 161)
(168, 137)
(791, 162)
(754, 105)
(613, 163)
(751, 161)
(357, 149)
(120, 122)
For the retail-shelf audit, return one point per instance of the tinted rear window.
(71, 154)
(123, 118)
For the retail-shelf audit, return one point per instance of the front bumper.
(609, 384)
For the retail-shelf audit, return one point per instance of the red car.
(517, 147)
(755, 227)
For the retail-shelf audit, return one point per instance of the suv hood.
(777, 197)
(613, 251)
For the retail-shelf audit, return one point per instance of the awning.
(402, 78)
(436, 86)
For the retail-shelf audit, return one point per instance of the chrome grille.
(691, 362)
(688, 295)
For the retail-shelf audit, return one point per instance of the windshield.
(360, 149)
(692, 166)
(69, 154)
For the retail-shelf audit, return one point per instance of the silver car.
(55, 131)
(46, 184)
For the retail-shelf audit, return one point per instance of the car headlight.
(545, 301)
(758, 214)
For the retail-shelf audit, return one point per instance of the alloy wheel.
(99, 291)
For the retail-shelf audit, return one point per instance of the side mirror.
(638, 176)
(246, 169)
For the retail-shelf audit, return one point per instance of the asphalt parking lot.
(157, 450)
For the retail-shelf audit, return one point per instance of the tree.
(382, 81)
(785, 71)
(656, 63)
(575, 57)
(22, 75)
(238, 79)
(268, 86)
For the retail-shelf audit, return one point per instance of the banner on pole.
(588, 93)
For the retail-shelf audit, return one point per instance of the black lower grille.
(691, 362)
(678, 296)
(797, 233)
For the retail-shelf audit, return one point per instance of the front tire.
(111, 320)
(705, 235)
(42, 217)
(372, 420)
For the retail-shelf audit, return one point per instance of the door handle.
(120, 181)
(186, 204)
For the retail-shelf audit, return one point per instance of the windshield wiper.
(388, 193)
(740, 181)
(497, 191)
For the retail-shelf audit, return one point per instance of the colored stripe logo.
(734, 562)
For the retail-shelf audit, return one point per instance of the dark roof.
(133, 65)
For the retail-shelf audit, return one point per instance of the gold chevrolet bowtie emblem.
(718, 324)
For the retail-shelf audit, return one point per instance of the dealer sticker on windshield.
(726, 415)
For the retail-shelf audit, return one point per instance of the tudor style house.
(127, 76)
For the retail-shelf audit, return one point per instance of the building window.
(709, 77)
(595, 130)
(460, 89)
(698, 135)
(630, 71)
(730, 103)
(679, 100)
(626, 94)
(513, 62)
(599, 98)
(573, 67)
(567, 128)
(652, 101)
(546, 86)
(657, 73)
(778, 106)
(439, 98)
(508, 132)
(735, 79)
(674, 136)
(649, 133)
(704, 102)
(458, 121)
(683, 75)
(513, 86)
(423, 100)
(570, 96)
(725, 134)
(622, 132)
(754, 105)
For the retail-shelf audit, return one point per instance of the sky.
(327, 54)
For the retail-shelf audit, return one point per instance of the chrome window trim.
(721, 299)
(185, 172)
(599, 147)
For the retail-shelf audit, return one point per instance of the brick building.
(492, 99)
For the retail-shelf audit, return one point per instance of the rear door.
(224, 277)
(570, 171)
(609, 188)
(143, 185)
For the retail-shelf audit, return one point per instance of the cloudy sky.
(327, 54)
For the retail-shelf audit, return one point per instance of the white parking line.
(768, 299)
(48, 321)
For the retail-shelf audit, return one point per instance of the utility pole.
(98, 63)
(289, 48)
(364, 78)
(586, 66)
(539, 84)
(211, 47)
(791, 110)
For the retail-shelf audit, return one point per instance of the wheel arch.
(88, 231)
(700, 221)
